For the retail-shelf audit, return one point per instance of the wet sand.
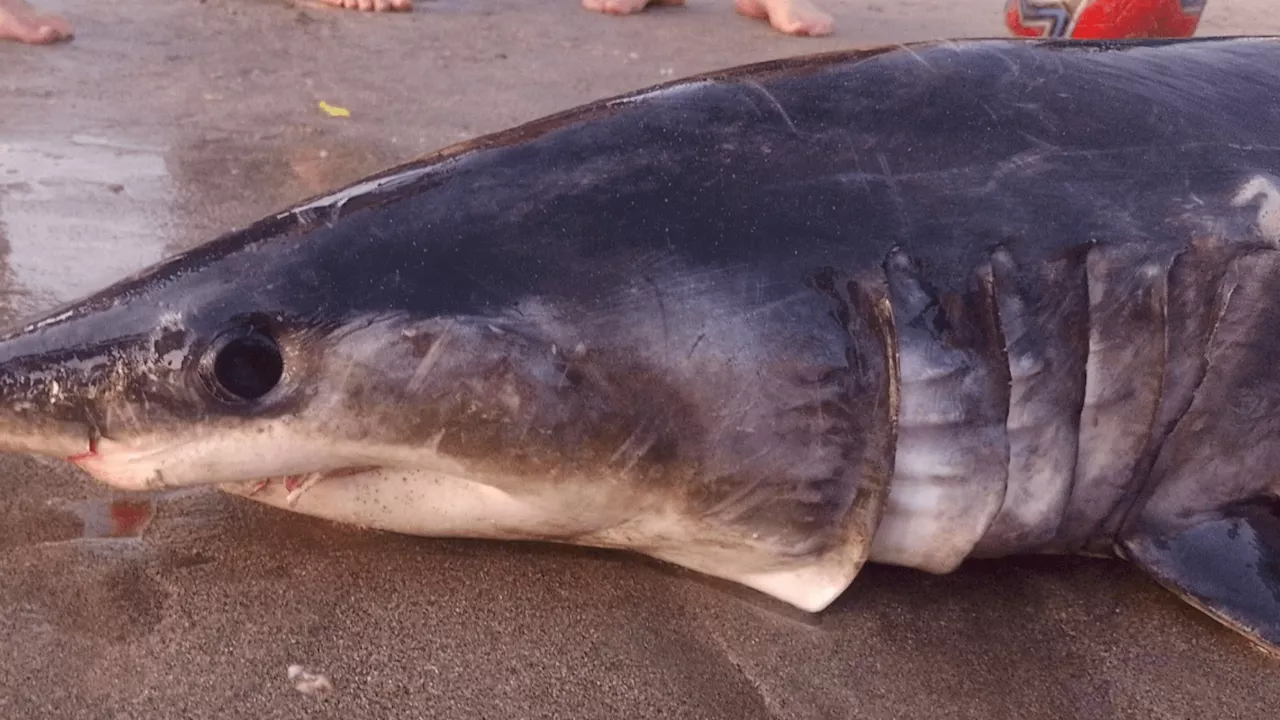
(165, 123)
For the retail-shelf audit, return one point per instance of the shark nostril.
(247, 366)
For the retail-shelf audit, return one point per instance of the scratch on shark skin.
(662, 310)
(430, 359)
(782, 112)
(639, 442)
(1015, 163)
(772, 305)
(433, 444)
(696, 342)
(894, 191)
(1043, 152)
(910, 51)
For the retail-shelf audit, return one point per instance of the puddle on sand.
(114, 522)
(78, 213)
(119, 518)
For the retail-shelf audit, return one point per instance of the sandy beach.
(165, 123)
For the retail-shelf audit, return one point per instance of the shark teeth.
(299, 484)
(296, 485)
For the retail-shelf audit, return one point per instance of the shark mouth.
(297, 485)
(90, 453)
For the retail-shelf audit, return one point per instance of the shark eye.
(245, 365)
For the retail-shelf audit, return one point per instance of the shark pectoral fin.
(1228, 565)
(1207, 522)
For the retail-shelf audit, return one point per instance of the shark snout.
(56, 393)
(34, 422)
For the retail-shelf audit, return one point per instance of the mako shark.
(909, 305)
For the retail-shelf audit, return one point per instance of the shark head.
(457, 348)
(190, 373)
(248, 359)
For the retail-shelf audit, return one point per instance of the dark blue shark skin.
(998, 253)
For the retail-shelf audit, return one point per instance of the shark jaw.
(436, 504)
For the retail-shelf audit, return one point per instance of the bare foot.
(369, 5)
(19, 21)
(624, 7)
(793, 17)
